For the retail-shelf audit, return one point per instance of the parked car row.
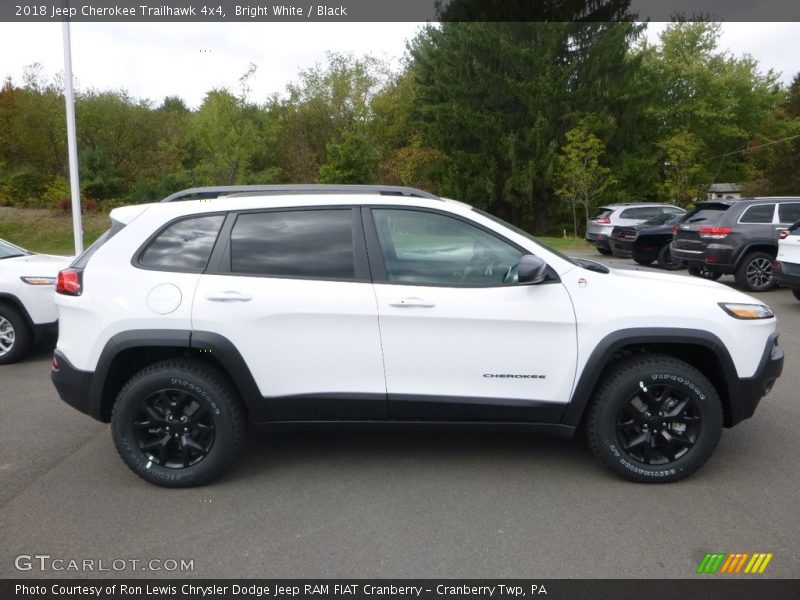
(757, 240)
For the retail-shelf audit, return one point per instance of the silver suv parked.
(598, 228)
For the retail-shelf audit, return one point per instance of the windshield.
(8, 250)
(524, 233)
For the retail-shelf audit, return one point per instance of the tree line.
(536, 122)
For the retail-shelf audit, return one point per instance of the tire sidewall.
(126, 409)
(742, 273)
(22, 337)
(617, 394)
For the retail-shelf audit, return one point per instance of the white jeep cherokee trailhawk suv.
(380, 305)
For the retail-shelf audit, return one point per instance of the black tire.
(754, 273)
(604, 251)
(16, 338)
(705, 273)
(643, 261)
(796, 294)
(665, 261)
(624, 428)
(178, 423)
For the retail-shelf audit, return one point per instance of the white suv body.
(342, 308)
(27, 308)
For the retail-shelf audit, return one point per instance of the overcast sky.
(154, 60)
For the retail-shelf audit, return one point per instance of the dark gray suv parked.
(734, 236)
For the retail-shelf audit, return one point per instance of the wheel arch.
(701, 349)
(127, 353)
(16, 303)
(769, 248)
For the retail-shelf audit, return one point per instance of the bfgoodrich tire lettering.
(178, 423)
(654, 419)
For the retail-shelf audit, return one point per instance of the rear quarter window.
(184, 245)
(788, 212)
(705, 214)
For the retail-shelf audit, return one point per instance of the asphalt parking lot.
(415, 504)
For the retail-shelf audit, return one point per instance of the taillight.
(674, 229)
(54, 363)
(783, 234)
(603, 221)
(714, 233)
(70, 282)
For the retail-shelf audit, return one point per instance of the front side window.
(425, 248)
(183, 246)
(314, 244)
(760, 213)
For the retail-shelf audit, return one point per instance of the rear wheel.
(755, 272)
(178, 423)
(654, 419)
(15, 335)
(643, 261)
(796, 294)
(665, 259)
(604, 251)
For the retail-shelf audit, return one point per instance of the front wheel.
(178, 423)
(15, 336)
(654, 419)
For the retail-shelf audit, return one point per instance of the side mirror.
(532, 269)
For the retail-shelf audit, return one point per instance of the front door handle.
(412, 302)
(228, 296)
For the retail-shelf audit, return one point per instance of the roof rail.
(201, 193)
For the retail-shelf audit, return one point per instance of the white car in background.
(27, 307)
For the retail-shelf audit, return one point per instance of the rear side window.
(183, 246)
(788, 212)
(311, 244)
(760, 213)
(641, 213)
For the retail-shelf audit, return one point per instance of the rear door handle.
(228, 296)
(412, 302)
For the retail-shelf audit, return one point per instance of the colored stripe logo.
(737, 562)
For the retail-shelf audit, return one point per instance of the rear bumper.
(598, 239)
(746, 393)
(787, 275)
(716, 258)
(72, 384)
(621, 248)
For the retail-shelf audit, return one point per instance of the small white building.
(727, 191)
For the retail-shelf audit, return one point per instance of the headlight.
(747, 311)
(39, 280)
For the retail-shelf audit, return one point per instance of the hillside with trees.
(536, 122)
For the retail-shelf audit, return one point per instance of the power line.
(747, 149)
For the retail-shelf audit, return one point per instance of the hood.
(671, 284)
(37, 264)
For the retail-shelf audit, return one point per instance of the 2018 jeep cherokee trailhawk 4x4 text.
(337, 306)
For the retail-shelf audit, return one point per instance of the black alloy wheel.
(658, 424)
(174, 429)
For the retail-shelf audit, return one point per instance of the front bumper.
(746, 393)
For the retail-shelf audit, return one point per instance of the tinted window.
(185, 245)
(301, 243)
(640, 213)
(705, 214)
(673, 210)
(431, 249)
(788, 212)
(760, 213)
(8, 250)
(602, 212)
(663, 219)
